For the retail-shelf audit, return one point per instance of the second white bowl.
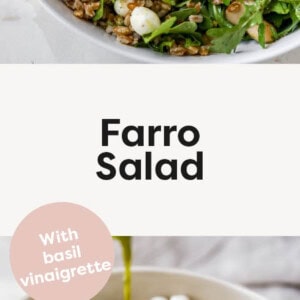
(149, 282)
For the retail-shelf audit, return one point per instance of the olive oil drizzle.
(125, 242)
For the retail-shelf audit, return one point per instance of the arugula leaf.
(182, 4)
(207, 20)
(171, 2)
(291, 1)
(226, 39)
(183, 14)
(162, 29)
(197, 36)
(276, 19)
(279, 7)
(294, 20)
(216, 30)
(216, 11)
(166, 28)
(297, 10)
(165, 45)
(185, 27)
(100, 12)
(261, 34)
(189, 42)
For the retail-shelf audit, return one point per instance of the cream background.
(50, 139)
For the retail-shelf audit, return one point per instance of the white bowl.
(148, 282)
(248, 52)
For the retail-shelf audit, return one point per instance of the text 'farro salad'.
(191, 27)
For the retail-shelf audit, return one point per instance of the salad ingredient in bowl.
(191, 27)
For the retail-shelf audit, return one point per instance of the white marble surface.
(29, 34)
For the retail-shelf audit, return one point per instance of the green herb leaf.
(225, 40)
(100, 12)
(207, 20)
(275, 19)
(183, 14)
(189, 42)
(165, 45)
(295, 21)
(261, 34)
(279, 7)
(184, 28)
(182, 4)
(164, 28)
(196, 36)
(216, 11)
(171, 2)
(297, 10)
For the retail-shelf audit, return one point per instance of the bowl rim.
(183, 272)
(243, 58)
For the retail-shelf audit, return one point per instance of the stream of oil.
(125, 242)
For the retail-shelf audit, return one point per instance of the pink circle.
(39, 260)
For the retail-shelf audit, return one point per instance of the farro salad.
(191, 27)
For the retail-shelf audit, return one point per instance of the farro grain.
(148, 3)
(119, 20)
(217, 2)
(127, 40)
(165, 6)
(198, 7)
(79, 13)
(191, 4)
(192, 50)
(177, 50)
(196, 18)
(90, 9)
(204, 50)
(109, 29)
(122, 30)
(162, 13)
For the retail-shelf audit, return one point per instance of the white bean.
(121, 8)
(144, 20)
(179, 297)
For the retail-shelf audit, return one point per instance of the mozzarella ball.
(179, 297)
(143, 20)
(121, 7)
(159, 298)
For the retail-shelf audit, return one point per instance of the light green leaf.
(261, 34)
(100, 12)
(184, 28)
(279, 7)
(225, 40)
(164, 28)
(183, 14)
(171, 2)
